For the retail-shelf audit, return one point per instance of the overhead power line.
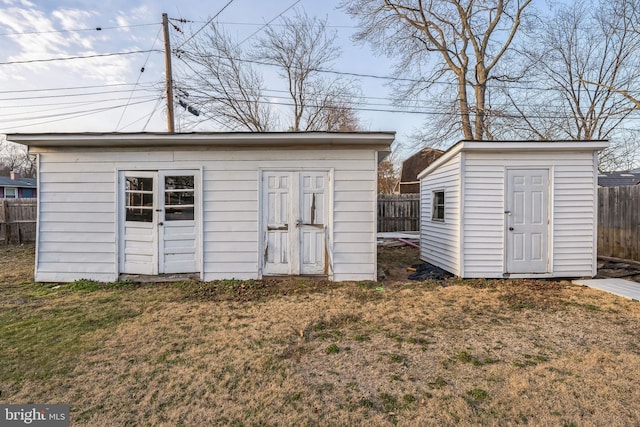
(124, 110)
(67, 58)
(62, 117)
(373, 107)
(148, 117)
(77, 29)
(207, 23)
(22, 119)
(58, 106)
(259, 24)
(20, 98)
(71, 88)
(366, 75)
(269, 23)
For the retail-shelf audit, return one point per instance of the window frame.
(15, 192)
(172, 211)
(130, 207)
(438, 209)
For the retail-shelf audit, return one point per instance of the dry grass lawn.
(301, 352)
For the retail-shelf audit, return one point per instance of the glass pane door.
(179, 199)
(139, 199)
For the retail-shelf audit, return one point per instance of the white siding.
(78, 229)
(440, 241)
(77, 233)
(571, 209)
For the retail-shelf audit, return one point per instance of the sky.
(43, 90)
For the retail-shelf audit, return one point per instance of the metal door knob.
(510, 228)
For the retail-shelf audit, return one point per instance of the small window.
(10, 193)
(139, 199)
(437, 211)
(179, 196)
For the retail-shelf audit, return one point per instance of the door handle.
(161, 223)
(298, 223)
(510, 228)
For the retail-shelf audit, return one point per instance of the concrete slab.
(621, 287)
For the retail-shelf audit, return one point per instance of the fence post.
(5, 221)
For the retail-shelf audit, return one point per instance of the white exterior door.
(138, 222)
(295, 221)
(312, 222)
(527, 221)
(159, 222)
(177, 242)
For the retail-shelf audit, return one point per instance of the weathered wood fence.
(18, 220)
(619, 222)
(398, 212)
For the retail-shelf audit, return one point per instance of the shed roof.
(519, 146)
(380, 140)
(6, 181)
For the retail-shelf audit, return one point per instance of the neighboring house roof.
(616, 179)
(6, 181)
(413, 166)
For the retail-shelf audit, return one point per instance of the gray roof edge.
(515, 145)
(150, 139)
(6, 181)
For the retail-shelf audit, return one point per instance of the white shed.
(512, 209)
(215, 205)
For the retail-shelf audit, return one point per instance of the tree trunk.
(464, 106)
(480, 90)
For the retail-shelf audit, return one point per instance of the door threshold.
(160, 278)
(296, 276)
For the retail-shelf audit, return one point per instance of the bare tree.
(221, 86)
(227, 84)
(301, 48)
(626, 15)
(332, 109)
(452, 41)
(622, 154)
(14, 157)
(577, 59)
(581, 42)
(388, 177)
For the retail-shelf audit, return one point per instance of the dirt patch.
(611, 268)
(255, 290)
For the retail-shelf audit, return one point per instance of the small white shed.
(512, 209)
(215, 205)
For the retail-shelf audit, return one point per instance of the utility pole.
(168, 74)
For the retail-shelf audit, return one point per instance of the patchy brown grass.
(303, 352)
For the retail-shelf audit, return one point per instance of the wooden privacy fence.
(18, 220)
(619, 222)
(399, 212)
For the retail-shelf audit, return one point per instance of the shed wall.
(440, 241)
(572, 216)
(78, 221)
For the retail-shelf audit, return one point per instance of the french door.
(159, 221)
(295, 222)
